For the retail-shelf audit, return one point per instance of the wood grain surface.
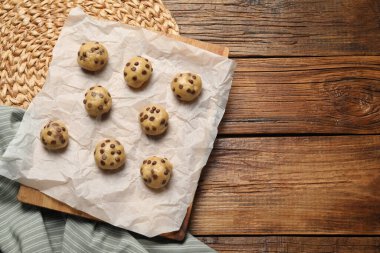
(293, 244)
(282, 28)
(309, 95)
(290, 185)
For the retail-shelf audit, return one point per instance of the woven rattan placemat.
(30, 28)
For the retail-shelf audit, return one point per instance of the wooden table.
(296, 166)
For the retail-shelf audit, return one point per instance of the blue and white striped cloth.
(25, 228)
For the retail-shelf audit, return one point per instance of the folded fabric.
(25, 228)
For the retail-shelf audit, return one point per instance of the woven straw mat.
(30, 28)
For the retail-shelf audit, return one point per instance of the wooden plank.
(305, 95)
(34, 197)
(293, 244)
(283, 28)
(290, 185)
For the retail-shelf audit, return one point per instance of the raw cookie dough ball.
(109, 154)
(54, 135)
(137, 71)
(97, 101)
(92, 56)
(187, 86)
(156, 171)
(154, 119)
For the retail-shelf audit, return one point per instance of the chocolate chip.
(146, 59)
(49, 133)
(158, 111)
(149, 162)
(145, 116)
(118, 142)
(188, 90)
(106, 101)
(154, 176)
(141, 119)
(102, 62)
(144, 162)
(112, 152)
(141, 172)
(96, 61)
(178, 96)
(180, 86)
(147, 66)
(166, 124)
(154, 163)
(162, 121)
(134, 78)
(146, 180)
(104, 157)
(63, 141)
(43, 140)
(173, 89)
(125, 74)
(154, 128)
(133, 69)
(101, 95)
(193, 92)
(194, 77)
(151, 118)
(84, 101)
(180, 74)
(152, 111)
(175, 79)
(191, 81)
(78, 53)
(100, 107)
(162, 160)
(147, 128)
(112, 145)
(141, 114)
(149, 180)
(103, 144)
(108, 140)
(102, 163)
(112, 164)
(102, 151)
(166, 171)
(117, 159)
(151, 69)
(118, 152)
(53, 142)
(153, 108)
(147, 109)
(81, 58)
(63, 129)
(163, 182)
(91, 88)
(93, 94)
(144, 72)
(136, 64)
(108, 94)
(128, 64)
(84, 54)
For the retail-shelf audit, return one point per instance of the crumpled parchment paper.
(72, 177)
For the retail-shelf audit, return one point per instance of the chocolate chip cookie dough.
(109, 154)
(54, 135)
(154, 120)
(156, 171)
(186, 86)
(137, 71)
(92, 56)
(97, 101)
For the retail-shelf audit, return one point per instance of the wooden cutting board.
(34, 197)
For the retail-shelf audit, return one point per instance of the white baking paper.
(72, 177)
